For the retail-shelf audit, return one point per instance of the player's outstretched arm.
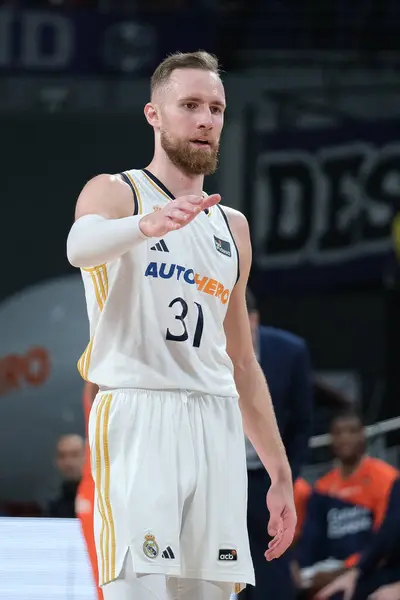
(255, 401)
(105, 227)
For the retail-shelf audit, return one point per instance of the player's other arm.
(105, 227)
(255, 401)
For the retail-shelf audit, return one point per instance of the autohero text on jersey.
(204, 284)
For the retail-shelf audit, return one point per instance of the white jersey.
(156, 313)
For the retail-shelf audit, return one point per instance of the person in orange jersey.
(85, 494)
(346, 509)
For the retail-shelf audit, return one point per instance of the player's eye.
(216, 110)
(191, 105)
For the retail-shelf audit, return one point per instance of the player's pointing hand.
(176, 214)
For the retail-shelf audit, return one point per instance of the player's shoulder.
(233, 214)
(237, 222)
(106, 194)
(105, 182)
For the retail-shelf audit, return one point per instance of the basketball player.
(165, 270)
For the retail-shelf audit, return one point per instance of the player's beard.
(188, 158)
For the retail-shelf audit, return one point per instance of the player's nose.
(205, 120)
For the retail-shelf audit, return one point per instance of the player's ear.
(152, 114)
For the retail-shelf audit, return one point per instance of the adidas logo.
(168, 550)
(161, 246)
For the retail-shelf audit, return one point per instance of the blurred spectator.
(86, 490)
(346, 507)
(70, 457)
(379, 565)
(285, 362)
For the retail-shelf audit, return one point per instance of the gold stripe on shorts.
(107, 544)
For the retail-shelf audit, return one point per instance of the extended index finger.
(210, 201)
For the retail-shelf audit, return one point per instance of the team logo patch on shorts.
(150, 546)
(227, 555)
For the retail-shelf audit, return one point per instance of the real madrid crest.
(150, 546)
(157, 208)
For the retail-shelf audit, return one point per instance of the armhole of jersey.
(135, 198)
(233, 240)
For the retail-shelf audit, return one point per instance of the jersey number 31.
(183, 335)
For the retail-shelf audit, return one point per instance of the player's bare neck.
(177, 182)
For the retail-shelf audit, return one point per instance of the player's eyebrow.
(200, 100)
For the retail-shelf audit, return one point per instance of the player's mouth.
(201, 143)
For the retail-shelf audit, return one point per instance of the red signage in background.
(29, 369)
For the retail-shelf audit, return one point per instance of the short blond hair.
(190, 60)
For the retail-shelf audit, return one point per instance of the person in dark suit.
(285, 360)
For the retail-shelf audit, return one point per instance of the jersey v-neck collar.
(159, 184)
(164, 189)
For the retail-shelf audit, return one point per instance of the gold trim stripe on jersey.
(107, 543)
(84, 361)
(139, 200)
(99, 277)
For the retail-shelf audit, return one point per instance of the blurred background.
(310, 153)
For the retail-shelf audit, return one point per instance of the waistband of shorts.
(173, 391)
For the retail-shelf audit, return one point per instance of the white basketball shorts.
(171, 485)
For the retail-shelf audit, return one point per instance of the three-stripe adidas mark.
(161, 246)
(168, 553)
